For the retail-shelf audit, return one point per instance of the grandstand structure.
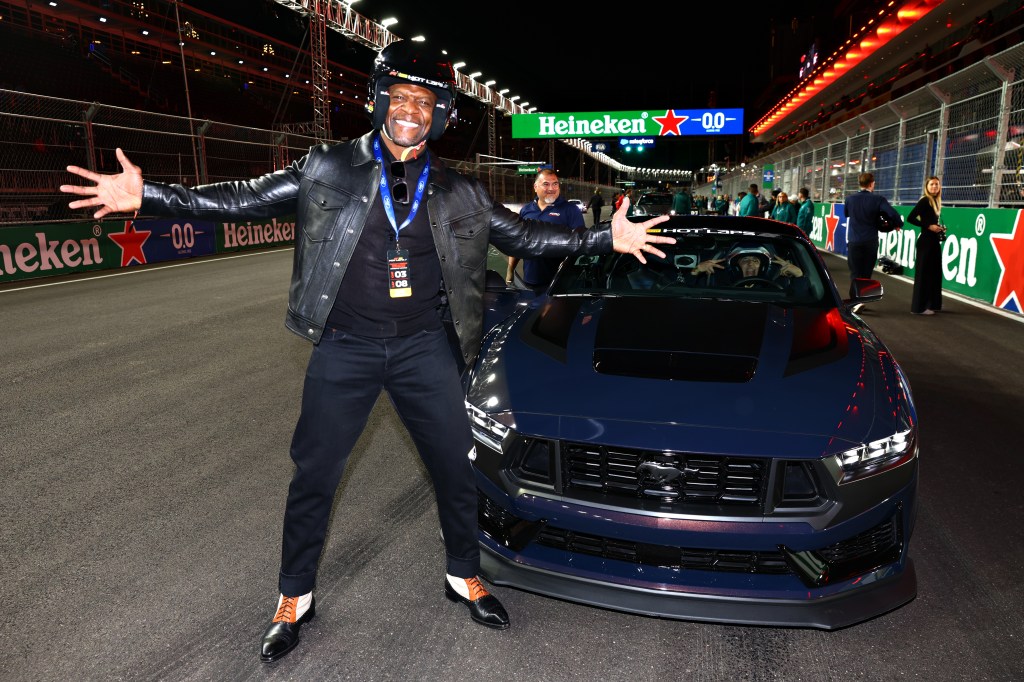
(944, 99)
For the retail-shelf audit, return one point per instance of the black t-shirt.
(363, 305)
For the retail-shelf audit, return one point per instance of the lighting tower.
(318, 52)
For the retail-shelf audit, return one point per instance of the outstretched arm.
(630, 237)
(113, 193)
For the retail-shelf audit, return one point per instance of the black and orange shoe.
(283, 633)
(484, 607)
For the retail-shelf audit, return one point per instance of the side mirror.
(865, 291)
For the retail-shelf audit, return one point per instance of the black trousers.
(596, 210)
(927, 273)
(861, 258)
(345, 376)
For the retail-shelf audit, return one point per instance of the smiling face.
(546, 187)
(410, 113)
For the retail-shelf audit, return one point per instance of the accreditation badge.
(398, 274)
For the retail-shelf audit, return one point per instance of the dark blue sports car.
(712, 436)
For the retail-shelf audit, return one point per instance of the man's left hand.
(630, 237)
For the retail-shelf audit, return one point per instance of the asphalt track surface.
(144, 449)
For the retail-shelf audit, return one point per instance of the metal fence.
(967, 128)
(40, 136)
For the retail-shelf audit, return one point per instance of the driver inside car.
(747, 266)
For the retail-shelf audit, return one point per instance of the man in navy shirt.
(550, 207)
(862, 222)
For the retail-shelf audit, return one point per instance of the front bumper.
(877, 593)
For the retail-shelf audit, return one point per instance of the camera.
(942, 234)
(889, 266)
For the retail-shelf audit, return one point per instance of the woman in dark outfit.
(927, 299)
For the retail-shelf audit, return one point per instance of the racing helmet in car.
(741, 250)
(414, 63)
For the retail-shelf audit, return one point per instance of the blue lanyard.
(385, 191)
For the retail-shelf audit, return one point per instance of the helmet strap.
(413, 152)
(407, 152)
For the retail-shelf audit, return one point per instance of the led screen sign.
(662, 122)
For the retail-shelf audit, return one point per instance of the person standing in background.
(927, 297)
(548, 206)
(765, 206)
(863, 213)
(722, 204)
(734, 206)
(628, 194)
(681, 203)
(749, 203)
(784, 211)
(805, 215)
(595, 204)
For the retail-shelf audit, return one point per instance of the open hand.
(630, 237)
(708, 267)
(113, 193)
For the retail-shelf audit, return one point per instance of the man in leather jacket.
(387, 237)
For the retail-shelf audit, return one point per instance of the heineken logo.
(552, 126)
(659, 122)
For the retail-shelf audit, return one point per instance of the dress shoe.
(484, 607)
(283, 633)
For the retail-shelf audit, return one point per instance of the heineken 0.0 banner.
(982, 255)
(629, 123)
(47, 250)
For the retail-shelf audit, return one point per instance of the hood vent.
(675, 365)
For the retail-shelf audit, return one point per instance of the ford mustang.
(712, 436)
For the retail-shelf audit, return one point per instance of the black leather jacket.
(329, 191)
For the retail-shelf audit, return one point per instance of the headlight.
(877, 456)
(486, 429)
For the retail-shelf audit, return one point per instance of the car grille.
(677, 479)
(875, 547)
(665, 557)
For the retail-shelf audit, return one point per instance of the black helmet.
(413, 63)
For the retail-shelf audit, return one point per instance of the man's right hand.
(113, 193)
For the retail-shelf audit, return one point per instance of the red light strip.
(836, 67)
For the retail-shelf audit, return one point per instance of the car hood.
(702, 375)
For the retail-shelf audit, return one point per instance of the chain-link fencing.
(40, 136)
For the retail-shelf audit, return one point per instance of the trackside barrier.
(48, 250)
(982, 256)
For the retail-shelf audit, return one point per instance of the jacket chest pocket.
(324, 205)
(470, 241)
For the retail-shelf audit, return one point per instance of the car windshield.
(743, 264)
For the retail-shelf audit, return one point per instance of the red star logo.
(831, 223)
(670, 123)
(131, 242)
(1009, 249)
